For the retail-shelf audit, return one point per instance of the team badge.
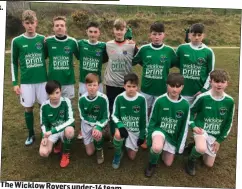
(98, 52)
(39, 46)
(96, 108)
(222, 110)
(62, 113)
(179, 114)
(163, 58)
(136, 109)
(125, 52)
(201, 61)
(67, 49)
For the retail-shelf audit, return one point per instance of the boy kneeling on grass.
(214, 112)
(94, 113)
(168, 126)
(130, 118)
(57, 122)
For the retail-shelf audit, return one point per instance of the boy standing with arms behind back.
(27, 52)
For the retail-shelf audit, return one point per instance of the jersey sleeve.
(43, 122)
(211, 64)
(116, 113)
(69, 118)
(227, 126)
(194, 109)
(105, 115)
(137, 58)
(143, 120)
(14, 62)
(183, 133)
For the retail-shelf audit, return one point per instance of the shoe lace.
(100, 153)
(65, 157)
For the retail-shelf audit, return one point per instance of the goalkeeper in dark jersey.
(130, 118)
(27, 52)
(211, 120)
(57, 122)
(168, 126)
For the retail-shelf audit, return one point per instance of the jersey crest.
(136, 108)
(38, 45)
(201, 61)
(222, 110)
(179, 114)
(67, 49)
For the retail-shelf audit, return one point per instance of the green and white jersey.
(171, 118)
(29, 54)
(119, 64)
(56, 118)
(131, 113)
(215, 116)
(94, 112)
(195, 64)
(60, 53)
(92, 56)
(156, 63)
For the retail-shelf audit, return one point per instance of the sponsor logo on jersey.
(24, 46)
(201, 61)
(222, 110)
(38, 45)
(148, 56)
(122, 107)
(125, 52)
(50, 115)
(163, 58)
(85, 48)
(96, 108)
(136, 109)
(53, 47)
(165, 108)
(186, 55)
(67, 49)
(208, 107)
(179, 113)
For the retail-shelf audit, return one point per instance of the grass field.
(24, 163)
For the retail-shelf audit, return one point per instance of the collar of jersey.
(56, 106)
(215, 98)
(30, 37)
(130, 98)
(157, 48)
(197, 47)
(61, 40)
(174, 101)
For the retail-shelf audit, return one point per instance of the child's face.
(92, 88)
(157, 37)
(30, 25)
(55, 96)
(218, 87)
(59, 28)
(174, 91)
(119, 33)
(131, 89)
(196, 38)
(93, 34)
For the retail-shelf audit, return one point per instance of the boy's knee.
(157, 148)
(44, 153)
(201, 149)
(69, 132)
(117, 135)
(90, 152)
(168, 163)
(209, 164)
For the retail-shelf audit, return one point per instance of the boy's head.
(196, 34)
(92, 84)
(157, 33)
(29, 21)
(219, 80)
(59, 26)
(131, 82)
(175, 84)
(53, 89)
(93, 31)
(119, 29)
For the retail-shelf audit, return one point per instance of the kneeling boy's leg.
(208, 160)
(131, 145)
(87, 138)
(118, 144)
(45, 149)
(98, 143)
(168, 154)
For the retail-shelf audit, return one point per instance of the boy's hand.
(96, 134)
(140, 142)
(17, 90)
(44, 141)
(198, 130)
(47, 134)
(123, 132)
(216, 146)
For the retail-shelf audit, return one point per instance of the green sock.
(99, 144)
(67, 145)
(154, 157)
(194, 154)
(29, 119)
(118, 144)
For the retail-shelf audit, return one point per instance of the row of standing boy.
(195, 61)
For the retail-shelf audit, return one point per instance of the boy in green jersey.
(57, 122)
(92, 54)
(130, 118)
(94, 113)
(27, 52)
(211, 120)
(60, 49)
(195, 61)
(168, 126)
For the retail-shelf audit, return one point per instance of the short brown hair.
(119, 24)
(59, 18)
(29, 15)
(92, 77)
(219, 75)
(175, 80)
